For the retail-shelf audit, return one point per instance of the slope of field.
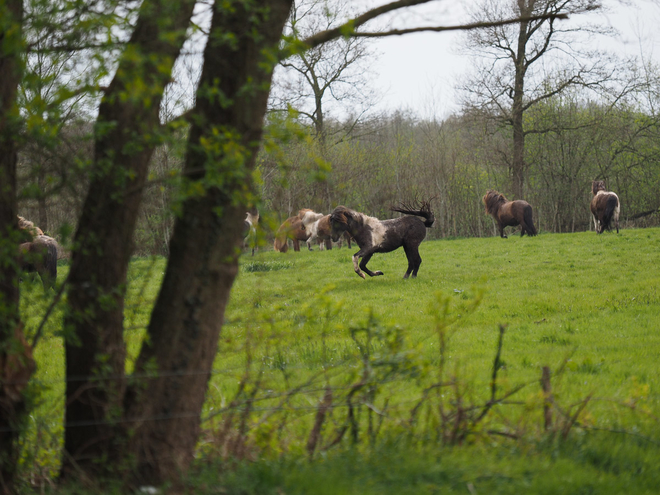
(593, 299)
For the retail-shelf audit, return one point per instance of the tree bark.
(126, 133)
(164, 411)
(16, 363)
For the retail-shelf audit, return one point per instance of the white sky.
(418, 71)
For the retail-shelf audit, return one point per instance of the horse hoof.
(378, 273)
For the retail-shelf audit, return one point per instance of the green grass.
(584, 303)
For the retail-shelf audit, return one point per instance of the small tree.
(336, 73)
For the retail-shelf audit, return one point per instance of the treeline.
(398, 158)
(455, 161)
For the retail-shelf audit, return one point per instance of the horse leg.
(347, 236)
(296, 245)
(616, 221)
(328, 244)
(363, 264)
(501, 226)
(414, 260)
(356, 257)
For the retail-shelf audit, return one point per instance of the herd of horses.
(382, 236)
(38, 252)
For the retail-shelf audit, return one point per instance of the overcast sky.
(418, 71)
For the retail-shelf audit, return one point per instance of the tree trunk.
(518, 159)
(126, 133)
(164, 411)
(16, 364)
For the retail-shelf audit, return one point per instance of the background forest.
(397, 157)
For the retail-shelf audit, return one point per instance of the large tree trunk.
(187, 318)
(126, 132)
(16, 364)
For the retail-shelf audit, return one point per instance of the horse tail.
(529, 221)
(423, 211)
(281, 244)
(610, 208)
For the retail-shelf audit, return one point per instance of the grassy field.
(409, 364)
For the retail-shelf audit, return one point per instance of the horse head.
(492, 201)
(597, 185)
(341, 220)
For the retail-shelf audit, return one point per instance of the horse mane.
(28, 226)
(309, 216)
(493, 200)
(597, 185)
(341, 214)
(303, 211)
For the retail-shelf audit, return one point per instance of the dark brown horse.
(382, 236)
(509, 213)
(292, 228)
(40, 256)
(604, 207)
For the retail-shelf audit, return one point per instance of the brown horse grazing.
(509, 213)
(382, 236)
(40, 256)
(604, 207)
(293, 229)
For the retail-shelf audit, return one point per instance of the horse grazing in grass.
(40, 256)
(292, 228)
(382, 236)
(604, 207)
(250, 230)
(509, 213)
